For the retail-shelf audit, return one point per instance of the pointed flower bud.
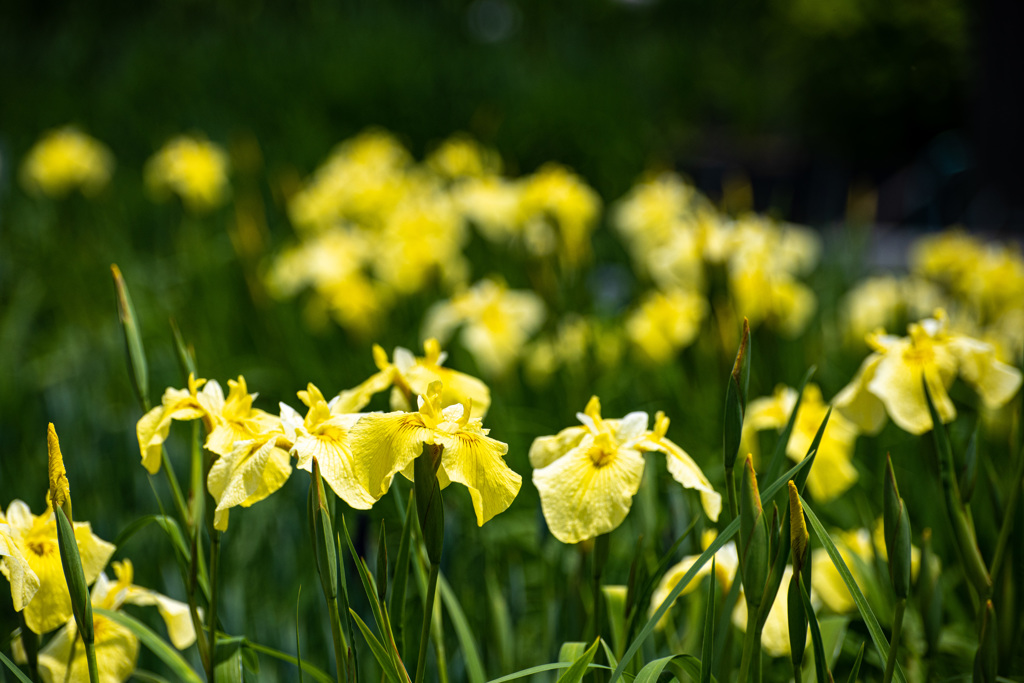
(429, 506)
(325, 552)
(60, 491)
(753, 537)
(798, 536)
(735, 401)
(897, 534)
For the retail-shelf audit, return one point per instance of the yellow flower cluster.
(576, 343)
(193, 168)
(375, 226)
(64, 160)
(358, 453)
(675, 236)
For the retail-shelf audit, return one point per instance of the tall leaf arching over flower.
(385, 444)
(587, 475)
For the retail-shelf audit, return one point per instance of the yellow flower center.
(602, 451)
(42, 547)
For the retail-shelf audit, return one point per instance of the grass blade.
(579, 667)
(306, 667)
(855, 671)
(708, 647)
(377, 648)
(14, 669)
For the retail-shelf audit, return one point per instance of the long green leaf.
(651, 672)
(855, 671)
(533, 670)
(821, 672)
(687, 665)
(870, 620)
(14, 669)
(708, 646)
(378, 650)
(704, 558)
(148, 677)
(575, 672)
(157, 645)
(470, 654)
(313, 671)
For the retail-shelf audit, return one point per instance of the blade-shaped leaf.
(870, 620)
(316, 673)
(708, 647)
(821, 672)
(14, 669)
(579, 667)
(779, 454)
(380, 653)
(855, 671)
(470, 654)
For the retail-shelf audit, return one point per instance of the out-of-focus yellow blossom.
(884, 301)
(176, 404)
(492, 204)
(33, 566)
(889, 380)
(727, 561)
(193, 168)
(460, 156)
(567, 346)
(66, 159)
(653, 210)
(764, 293)
(559, 212)
(117, 648)
(666, 322)
(362, 181)
(587, 475)
(325, 434)
(497, 322)
(833, 472)
(409, 376)
(387, 443)
(775, 636)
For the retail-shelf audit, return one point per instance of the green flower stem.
(179, 500)
(90, 657)
(601, 544)
(428, 614)
(750, 664)
(897, 629)
(212, 623)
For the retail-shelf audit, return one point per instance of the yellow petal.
(546, 449)
(897, 382)
(383, 445)
(331, 446)
(582, 499)
(458, 387)
(176, 615)
(995, 381)
(250, 473)
(859, 405)
(117, 650)
(685, 471)
(355, 399)
(477, 462)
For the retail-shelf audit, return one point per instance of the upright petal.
(546, 449)
(581, 498)
(477, 462)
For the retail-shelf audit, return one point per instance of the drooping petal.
(685, 471)
(383, 445)
(995, 381)
(477, 462)
(897, 382)
(859, 405)
(176, 615)
(251, 472)
(582, 499)
(546, 449)
(330, 445)
(117, 650)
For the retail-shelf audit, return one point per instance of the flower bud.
(897, 534)
(325, 552)
(60, 491)
(753, 538)
(798, 536)
(735, 401)
(429, 506)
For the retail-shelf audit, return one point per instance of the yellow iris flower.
(387, 443)
(587, 475)
(32, 564)
(117, 648)
(666, 322)
(234, 418)
(889, 380)
(833, 472)
(193, 168)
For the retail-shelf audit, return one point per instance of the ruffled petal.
(995, 381)
(383, 445)
(247, 475)
(117, 650)
(897, 382)
(331, 446)
(581, 499)
(546, 449)
(477, 462)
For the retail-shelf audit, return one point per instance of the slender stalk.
(751, 640)
(212, 623)
(340, 646)
(179, 499)
(897, 629)
(428, 614)
(90, 657)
